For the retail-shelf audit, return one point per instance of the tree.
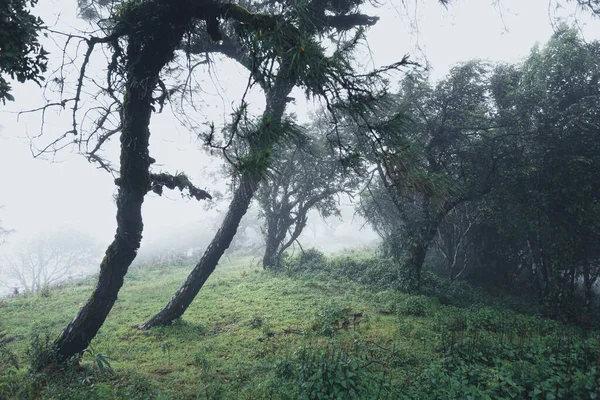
(21, 55)
(142, 38)
(547, 206)
(276, 44)
(285, 53)
(307, 175)
(447, 155)
(50, 258)
(452, 239)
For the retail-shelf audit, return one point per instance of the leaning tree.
(143, 40)
(288, 51)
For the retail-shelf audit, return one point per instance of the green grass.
(232, 342)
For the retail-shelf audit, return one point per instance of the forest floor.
(251, 334)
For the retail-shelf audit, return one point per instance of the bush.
(417, 306)
(384, 273)
(328, 319)
(486, 319)
(41, 351)
(340, 374)
(544, 369)
(310, 260)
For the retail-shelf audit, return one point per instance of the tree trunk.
(270, 258)
(276, 103)
(207, 264)
(424, 238)
(415, 263)
(145, 61)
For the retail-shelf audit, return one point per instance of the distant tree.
(546, 210)
(446, 156)
(305, 176)
(3, 233)
(50, 258)
(21, 55)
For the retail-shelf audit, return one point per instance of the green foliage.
(101, 362)
(9, 368)
(41, 350)
(417, 306)
(484, 350)
(337, 373)
(309, 260)
(329, 319)
(21, 55)
(549, 369)
(203, 363)
(256, 322)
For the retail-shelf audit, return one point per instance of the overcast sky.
(39, 195)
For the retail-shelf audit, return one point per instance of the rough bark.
(145, 61)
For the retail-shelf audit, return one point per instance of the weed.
(417, 306)
(166, 349)
(256, 322)
(100, 361)
(41, 351)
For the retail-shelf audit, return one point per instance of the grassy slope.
(224, 347)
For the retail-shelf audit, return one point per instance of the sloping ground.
(256, 335)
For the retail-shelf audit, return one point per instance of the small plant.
(256, 322)
(45, 291)
(285, 369)
(329, 319)
(417, 306)
(341, 374)
(100, 361)
(41, 351)
(166, 349)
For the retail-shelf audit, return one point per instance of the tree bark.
(145, 60)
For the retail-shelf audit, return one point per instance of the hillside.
(254, 335)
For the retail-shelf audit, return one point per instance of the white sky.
(38, 195)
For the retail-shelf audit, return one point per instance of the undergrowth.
(338, 328)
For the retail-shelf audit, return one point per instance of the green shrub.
(487, 319)
(309, 260)
(41, 351)
(542, 370)
(383, 273)
(340, 374)
(328, 319)
(417, 306)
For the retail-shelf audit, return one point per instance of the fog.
(65, 193)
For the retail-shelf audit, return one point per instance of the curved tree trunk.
(276, 103)
(145, 61)
(207, 264)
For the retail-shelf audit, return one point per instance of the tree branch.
(179, 181)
